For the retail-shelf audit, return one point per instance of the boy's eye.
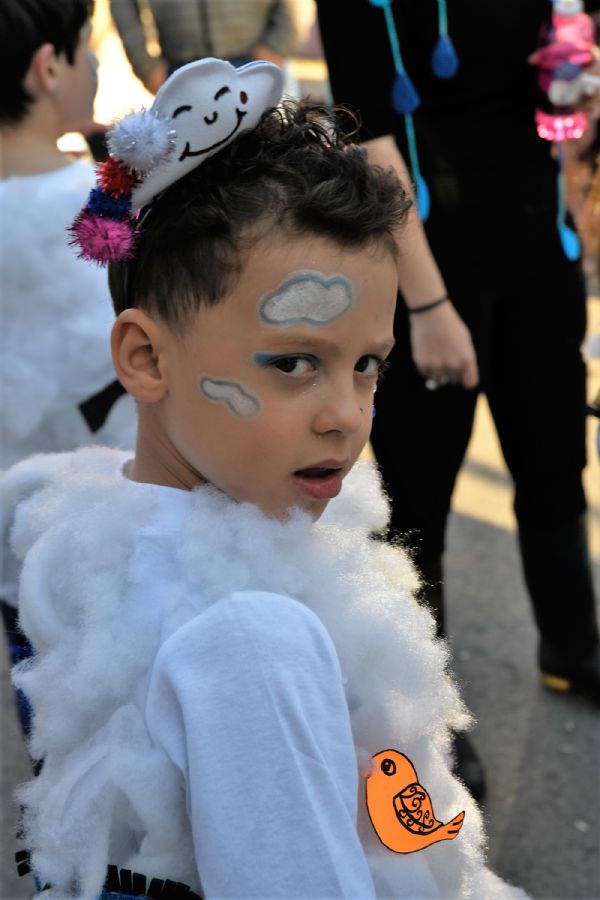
(371, 365)
(296, 366)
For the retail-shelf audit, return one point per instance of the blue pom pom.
(570, 242)
(568, 71)
(423, 198)
(444, 60)
(102, 204)
(404, 96)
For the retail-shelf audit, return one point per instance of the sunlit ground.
(483, 489)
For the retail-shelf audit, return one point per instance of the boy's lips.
(323, 481)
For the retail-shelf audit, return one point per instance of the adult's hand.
(442, 348)
(156, 77)
(264, 52)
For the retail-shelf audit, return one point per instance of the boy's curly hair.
(297, 171)
(25, 25)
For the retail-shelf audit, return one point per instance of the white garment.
(188, 691)
(55, 327)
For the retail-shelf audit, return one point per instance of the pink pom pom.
(102, 240)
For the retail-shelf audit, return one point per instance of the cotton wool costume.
(56, 321)
(208, 682)
(58, 383)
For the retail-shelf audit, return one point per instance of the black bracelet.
(427, 306)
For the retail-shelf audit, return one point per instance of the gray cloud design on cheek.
(232, 395)
(308, 298)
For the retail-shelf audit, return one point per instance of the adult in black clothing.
(517, 309)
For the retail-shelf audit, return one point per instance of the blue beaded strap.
(405, 98)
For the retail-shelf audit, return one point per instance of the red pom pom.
(102, 240)
(115, 179)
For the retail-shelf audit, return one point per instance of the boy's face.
(78, 85)
(270, 393)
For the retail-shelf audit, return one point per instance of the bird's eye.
(388, 767)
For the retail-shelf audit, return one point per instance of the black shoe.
(467, 766)
(582, 680)
(556, 564)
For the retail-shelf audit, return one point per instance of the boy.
(213, 653)
(58, 384)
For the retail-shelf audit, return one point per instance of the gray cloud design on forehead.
(308, 298)
(232, 394)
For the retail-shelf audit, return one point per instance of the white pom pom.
(141, 140)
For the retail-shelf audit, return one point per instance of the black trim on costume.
(124, 881)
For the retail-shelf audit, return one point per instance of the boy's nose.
(341, 411)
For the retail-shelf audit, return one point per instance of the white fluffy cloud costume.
(106, 788)
(56, 321)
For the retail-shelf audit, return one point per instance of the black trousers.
(524, 303)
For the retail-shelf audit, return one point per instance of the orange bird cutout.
(400, 808)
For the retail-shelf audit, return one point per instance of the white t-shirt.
(208, 682)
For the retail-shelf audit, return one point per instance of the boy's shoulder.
(37, 471)
(30, 475)
(53, 472)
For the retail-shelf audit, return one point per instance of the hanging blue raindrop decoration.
(423, 198)
(568, 238)
(406, 100)
(422, 191)
(570, 243)
(404, 95)
(444, 60)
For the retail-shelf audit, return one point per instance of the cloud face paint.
(232, 394)
(308, 298)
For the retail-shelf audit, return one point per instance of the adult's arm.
(247, 700)
(440, 341)
(280, 34)
(361, 75)
(126, 16)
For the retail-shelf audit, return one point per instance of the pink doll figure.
(563, 59)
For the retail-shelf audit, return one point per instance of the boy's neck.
(156, 460)
(30, 149)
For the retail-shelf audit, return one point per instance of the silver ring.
(432, 384)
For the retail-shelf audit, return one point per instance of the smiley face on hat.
(207, 104)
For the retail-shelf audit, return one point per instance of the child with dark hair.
(234, 692)
(58, 385)
(32, 32)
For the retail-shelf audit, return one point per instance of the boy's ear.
(138, 356)
(42, 75)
